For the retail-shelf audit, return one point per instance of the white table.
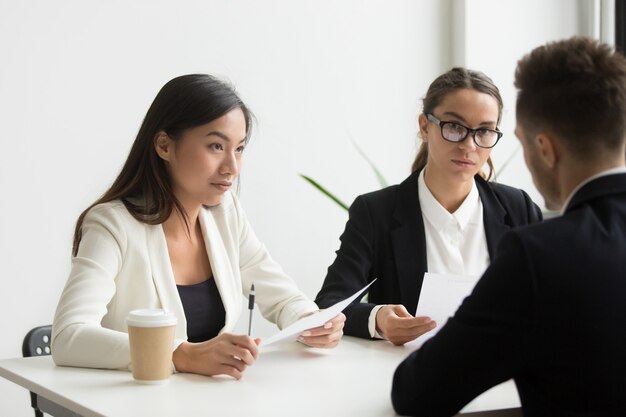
(353, 379)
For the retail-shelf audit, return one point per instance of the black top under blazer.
(549, 312)
(384, 238)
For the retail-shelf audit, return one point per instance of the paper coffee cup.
(151, 338)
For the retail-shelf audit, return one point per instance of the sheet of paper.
(440, 297)
(291, 332)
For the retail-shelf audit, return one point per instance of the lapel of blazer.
(163, 277)
(409, 242)
(494, 215)
(225, 266)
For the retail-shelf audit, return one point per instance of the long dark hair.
(449, 82)
(144, 184)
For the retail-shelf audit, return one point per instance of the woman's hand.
(400, 327)
(326, 336)
(226, 354)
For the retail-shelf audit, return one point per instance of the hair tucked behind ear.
(449, 82)
(143, 184)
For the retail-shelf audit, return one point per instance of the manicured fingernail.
(328, 325)
(300, 339)
(305, 333)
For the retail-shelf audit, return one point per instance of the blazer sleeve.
(78, 338)
(279, 299)
(351, 270)
(481, 346)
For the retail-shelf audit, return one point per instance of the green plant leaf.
(325, 191)
(381, 180)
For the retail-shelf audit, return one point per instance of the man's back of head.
(571, 113)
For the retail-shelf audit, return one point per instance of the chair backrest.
(37, 342)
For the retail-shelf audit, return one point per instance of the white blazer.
(123, 264)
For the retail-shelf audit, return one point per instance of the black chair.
(37, 343)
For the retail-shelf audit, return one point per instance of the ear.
(163, 145)
(423, 124)
(548, 149)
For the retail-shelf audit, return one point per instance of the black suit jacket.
(384, 238)
(550, 312)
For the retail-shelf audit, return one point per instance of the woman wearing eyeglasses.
(444, 218)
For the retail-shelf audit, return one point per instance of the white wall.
(78, 75)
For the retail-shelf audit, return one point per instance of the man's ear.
(548, 149)
(423, 124)
(163, 145)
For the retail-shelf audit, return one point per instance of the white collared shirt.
(612, 171)
(455, 242)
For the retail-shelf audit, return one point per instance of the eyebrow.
(222, 136)
(462, 119)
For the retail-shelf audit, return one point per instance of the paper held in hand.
(440, 297)
(291, 332)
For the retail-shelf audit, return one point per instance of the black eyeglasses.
(455, 132)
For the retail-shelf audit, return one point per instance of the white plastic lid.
(150, 317)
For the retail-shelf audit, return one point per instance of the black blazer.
(550, 312)
(384, 238)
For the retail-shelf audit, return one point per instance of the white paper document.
(291, 332)
(440, 297)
